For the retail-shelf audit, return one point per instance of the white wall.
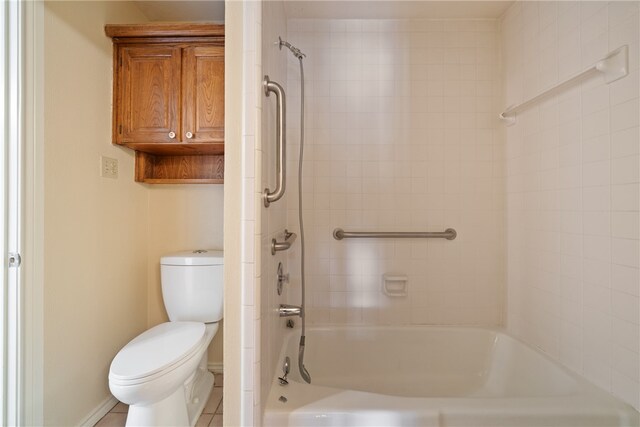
(243, 65)
(95, 297)
(401, 136)
(572, 190)
(237, 262)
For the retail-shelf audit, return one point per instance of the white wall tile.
(269, 329)
(626, 279)
(625, 307)
(591, 192)
(625, 225)
(626, 334)
(389, 155)
(625, 143)
(625, 115)
(625, 197)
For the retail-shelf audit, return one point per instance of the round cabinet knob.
(172, 135)
(189, 135)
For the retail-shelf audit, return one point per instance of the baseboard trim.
(100, 411)
(216, 367)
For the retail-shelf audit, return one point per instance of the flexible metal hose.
(303, 371)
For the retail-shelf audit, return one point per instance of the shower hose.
(303, 371)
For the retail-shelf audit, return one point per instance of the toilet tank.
(192, 285)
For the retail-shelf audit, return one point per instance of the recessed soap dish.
(395, 285)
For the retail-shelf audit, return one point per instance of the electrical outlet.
(108, 167)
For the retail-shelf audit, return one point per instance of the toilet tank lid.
(195, 257)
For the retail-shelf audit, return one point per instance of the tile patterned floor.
(211, 415)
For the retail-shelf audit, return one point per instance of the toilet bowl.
(155, 366)
(162, 373)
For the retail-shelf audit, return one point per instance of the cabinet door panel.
(150, 94)
(203, 94)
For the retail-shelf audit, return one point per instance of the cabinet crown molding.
(164, 29)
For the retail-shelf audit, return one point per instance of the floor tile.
(204, 420)
(216, 421)
(211, 415)
(214, 401)
(113, 419)
(120, 408)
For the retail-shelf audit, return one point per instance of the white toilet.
(162, 373)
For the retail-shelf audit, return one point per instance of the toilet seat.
(156, 351)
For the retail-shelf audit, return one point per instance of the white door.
(11, 119)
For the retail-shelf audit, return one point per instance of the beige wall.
(95, 295)
(181, 217)
(103, 237)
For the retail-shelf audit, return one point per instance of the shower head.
(296, 52)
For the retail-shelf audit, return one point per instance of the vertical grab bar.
(281, 163)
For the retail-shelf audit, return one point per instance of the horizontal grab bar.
(448, 234)
(289, 238)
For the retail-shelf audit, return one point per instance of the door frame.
(24, 221)
(32, 357)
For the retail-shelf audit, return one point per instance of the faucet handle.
(282, 278)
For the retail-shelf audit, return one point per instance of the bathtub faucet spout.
(287, 310)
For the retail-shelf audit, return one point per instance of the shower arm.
(296, 52)
(281, 164)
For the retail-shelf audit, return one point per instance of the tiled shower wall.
(401, 135)
(572, 190)
(250, 234)
(272, 219)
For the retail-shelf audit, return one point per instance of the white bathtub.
(433, 376)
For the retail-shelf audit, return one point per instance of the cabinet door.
(149, 104)
(203, 94)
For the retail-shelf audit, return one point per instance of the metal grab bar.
(448, 234)
(281, 146)
(289, 238)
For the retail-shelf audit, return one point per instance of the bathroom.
(401, 134)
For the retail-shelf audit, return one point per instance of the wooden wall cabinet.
(168, 100)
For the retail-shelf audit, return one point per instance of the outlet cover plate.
(108, 167)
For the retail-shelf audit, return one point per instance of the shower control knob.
(282, 278)
(172, 135)
(189, 135)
